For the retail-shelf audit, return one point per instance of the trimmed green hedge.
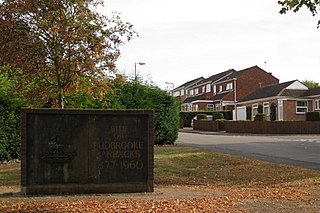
(187, 116)
(313, 116)
(9, 131)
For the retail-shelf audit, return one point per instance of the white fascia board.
(202, 101)
(260, 100)
(221, 82)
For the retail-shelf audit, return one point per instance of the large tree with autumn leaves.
(61, 46)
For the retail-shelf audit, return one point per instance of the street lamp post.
(135, 68)
(171, 85)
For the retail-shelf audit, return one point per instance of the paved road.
(299, 150)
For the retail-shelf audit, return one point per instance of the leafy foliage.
(273, 112)
(296, 5)
(135, 95)
(10, 104)
(313, 116)
(67, 45)
(310, 83)
(249, 112)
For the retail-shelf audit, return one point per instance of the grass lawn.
(189, 166)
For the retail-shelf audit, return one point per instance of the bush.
(249, 113)
(217, 115)
(186, 117)
(260, 117)
(313, 116)
(273, 112)
(136, 95)
(227, 114)
(9, 131)
(221, 124)
(202, 117)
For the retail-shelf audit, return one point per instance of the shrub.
(221, 124)
(186, 117)
(9, 131)
(313, 116)
(249, 113)
(260, 117)
(217, 115)
(273, 112)
(227, 114)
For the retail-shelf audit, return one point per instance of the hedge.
(313, 116)
(187, 116)
(9, 131)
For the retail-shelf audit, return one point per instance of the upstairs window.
(220, 88)
(182, 92)
(196, 91)
(191, 92)
(203, 89)
(301, 107)
(208, 88)
(214, 89)
(229, 86)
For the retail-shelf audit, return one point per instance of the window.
(266, 108)
(191, 92)
(317, 104)
(208, 88)
(218, 107)
(209, 106)
(301, 107)
(214, 89)
(182, 92)
(176, 94)
(196, 91)
(280, 110)
(254, 110)
(203, 89)
(220, 88)
(229, 86)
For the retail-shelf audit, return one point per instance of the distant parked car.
(209, 117)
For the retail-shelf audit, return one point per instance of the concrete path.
(298, 150)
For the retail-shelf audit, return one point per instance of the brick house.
(291, 100)
(314, 94)
(223, 90)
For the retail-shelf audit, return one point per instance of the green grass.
(9, 176)
(188, 166)
(181, 165)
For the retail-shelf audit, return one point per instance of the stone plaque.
(86, 151)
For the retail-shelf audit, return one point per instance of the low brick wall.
(206, 125)
(277, 127)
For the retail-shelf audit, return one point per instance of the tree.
(310, 83)
(296, 5)
(66, 45)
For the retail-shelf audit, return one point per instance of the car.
(209, 117)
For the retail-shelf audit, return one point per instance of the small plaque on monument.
(86, 151)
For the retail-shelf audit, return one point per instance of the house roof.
(219, 96)
(313, 92)
(189, 83)
(268, 91)
(220, 75)
(197, 97)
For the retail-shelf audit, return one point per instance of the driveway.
(298, 150)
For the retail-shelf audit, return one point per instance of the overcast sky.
(180, 40)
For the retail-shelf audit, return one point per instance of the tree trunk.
(61, 98)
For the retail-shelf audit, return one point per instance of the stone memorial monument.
(86, 151)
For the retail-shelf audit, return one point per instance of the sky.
(180, 40)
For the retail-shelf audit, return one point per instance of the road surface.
(298, 150)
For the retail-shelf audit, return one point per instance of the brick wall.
(251, 79)
(277, 127)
